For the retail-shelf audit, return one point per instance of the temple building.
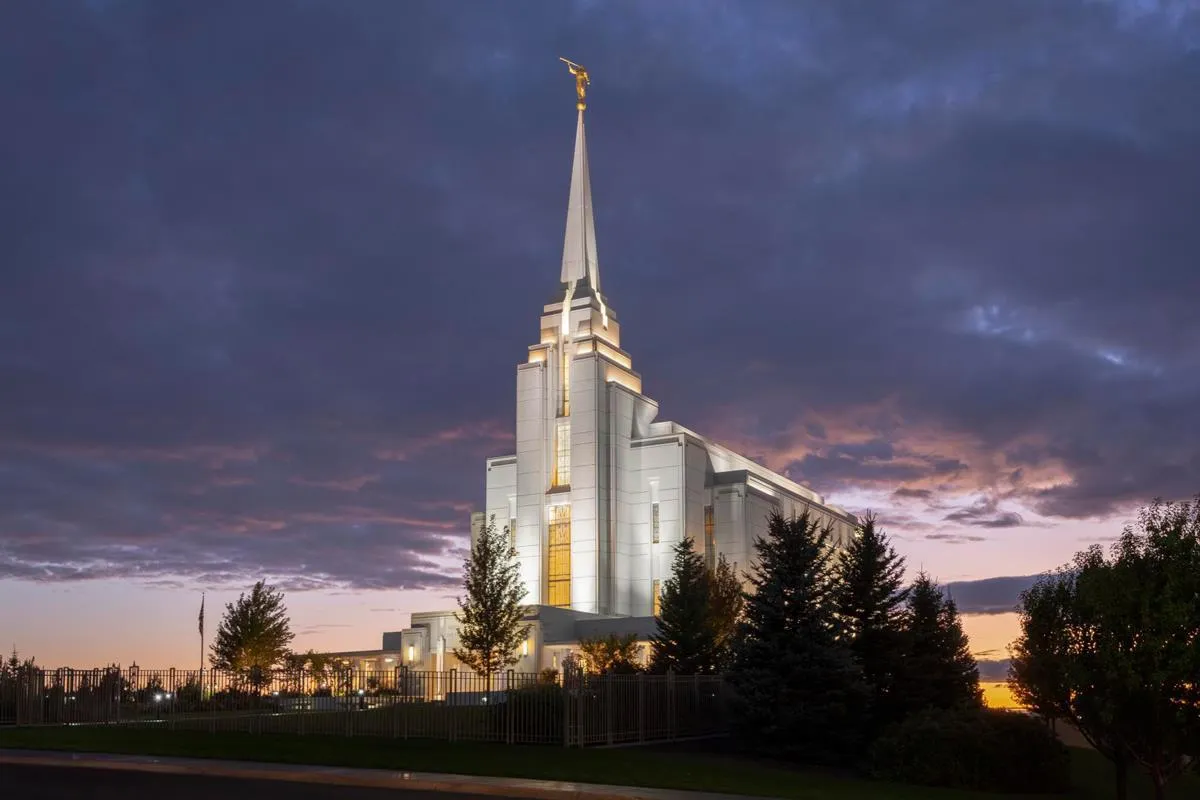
(600, 489)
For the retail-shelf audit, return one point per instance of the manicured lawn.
(673, 767)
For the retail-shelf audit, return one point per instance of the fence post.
(641, 703)
(510, 733)
(671, 704)
(608, 707)
(566, 705)
(449, 694)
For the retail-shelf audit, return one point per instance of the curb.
(345, 776)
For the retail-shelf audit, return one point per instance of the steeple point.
(579, 261)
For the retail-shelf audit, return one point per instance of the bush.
(987, 749)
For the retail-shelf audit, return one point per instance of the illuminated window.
(558, 589)
(656, 591)
(562, 452)
(710, 539)
(654, 529)
(566, 382)
(512, 521)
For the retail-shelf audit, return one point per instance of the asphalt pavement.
(30, 782)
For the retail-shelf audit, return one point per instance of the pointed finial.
(581, 81)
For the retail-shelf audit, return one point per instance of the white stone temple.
(599, 489)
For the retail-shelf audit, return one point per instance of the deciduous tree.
(254, 635)
(490, 618)
(1113, 645)
(612, 654)
(727, 600)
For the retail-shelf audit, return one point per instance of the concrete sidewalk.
(341, 776)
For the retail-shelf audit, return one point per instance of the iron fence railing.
(515, 707)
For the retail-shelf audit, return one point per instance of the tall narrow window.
(562, 452)
(512, 521)
(566, 382)
(512, 532)
(558, 583)
(656, 591)
(710, 538)
(654, 524)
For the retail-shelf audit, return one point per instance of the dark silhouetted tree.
(936, 669)
(727, 600)
(490, 618)
(869, 593)
(686, 639)
(799, 693)
(1124, 669)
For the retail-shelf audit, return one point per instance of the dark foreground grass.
(673, 767)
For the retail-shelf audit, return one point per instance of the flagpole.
(202, 644)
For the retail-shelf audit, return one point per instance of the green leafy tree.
(253, 636)
(727, 600)
(491, 627)
(870, 596)
(937, 669)
(1050, 655)
(686, 638)
(799, 693)
(612, 654)
(1124, 668)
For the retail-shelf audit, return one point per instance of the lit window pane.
(558, 590)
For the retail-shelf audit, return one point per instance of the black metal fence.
(527, 708)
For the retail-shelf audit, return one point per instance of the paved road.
(52, 783)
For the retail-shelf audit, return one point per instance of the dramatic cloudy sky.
(266, 270)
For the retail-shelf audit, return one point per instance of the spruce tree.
(870, 594)
(937, 668)
(799, 693)
(490, 623)
(686, 639)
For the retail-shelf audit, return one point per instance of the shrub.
(986, 749)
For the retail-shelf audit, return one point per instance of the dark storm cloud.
(267, 268)
(990, 595)
(986, 513)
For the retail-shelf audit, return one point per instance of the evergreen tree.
(686, 639)
(870, 595)
(799, 693)
(937, 669)
(490, 626)
(254, 634)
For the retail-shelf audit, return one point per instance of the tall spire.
(579, 246)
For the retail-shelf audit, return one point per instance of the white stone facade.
(634, 486)
(598, 491)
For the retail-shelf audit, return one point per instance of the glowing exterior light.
(411, 652)
(525, 647)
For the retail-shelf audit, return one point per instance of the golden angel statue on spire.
(581, 81)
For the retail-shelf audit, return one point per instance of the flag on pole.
(202, 615)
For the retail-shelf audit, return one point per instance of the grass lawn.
(674, 767)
